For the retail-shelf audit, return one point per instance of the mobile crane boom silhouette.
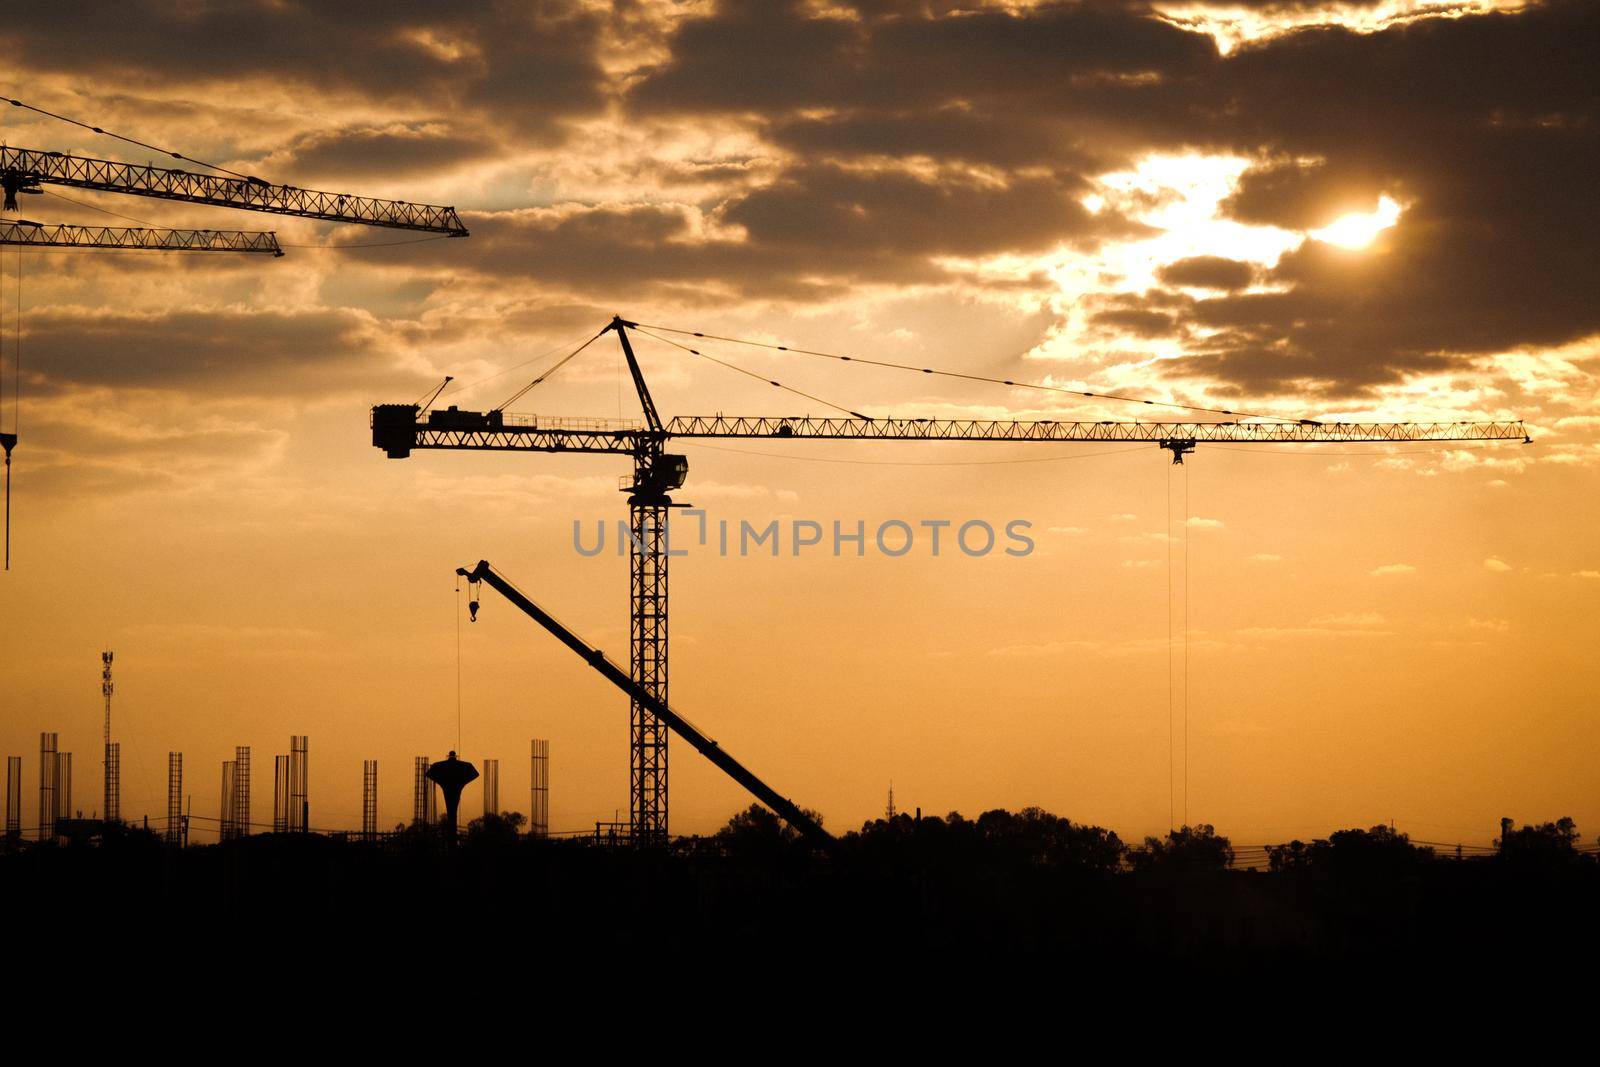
(791, 812)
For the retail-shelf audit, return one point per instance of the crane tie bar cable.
(130, 140)
(520, 393)
(749, 373)
(979, 377)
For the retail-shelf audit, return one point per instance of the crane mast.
(400, 429)
(112, 803)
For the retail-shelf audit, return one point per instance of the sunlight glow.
(1241, 24)
(1358, 230)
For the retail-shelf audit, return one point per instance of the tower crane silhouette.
(400, 429)
(26, 171)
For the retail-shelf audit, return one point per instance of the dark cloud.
(222, 352)
(825, 206)
(370, 152)
(1135, 321)
(769, 58)
(1208, 272)
(805, 236)
(522, 67)
(1485, 127)
(905, 131)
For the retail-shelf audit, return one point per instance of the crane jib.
(23, 232)
(24, 169)
(401, 428)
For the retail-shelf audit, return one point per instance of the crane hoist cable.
(753, 374)
(8, 441)
(1095, 394)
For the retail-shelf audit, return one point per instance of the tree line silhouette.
(1025, 881)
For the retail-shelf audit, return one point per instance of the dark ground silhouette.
(1022, 883)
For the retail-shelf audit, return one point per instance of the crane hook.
(472, 592)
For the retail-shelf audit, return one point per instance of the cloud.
(220, 351)
(1208, 272)
(787, 151)
(1360, 620)
(528, 68)
(1496, 564)
(1390, 569)
(376, 152)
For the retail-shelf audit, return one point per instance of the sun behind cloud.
(1357, 230)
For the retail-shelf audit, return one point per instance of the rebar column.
(174, 833)
(491, 787)
(63, 786)
(47, 786)
(225, 827)
(422, 795)
(13, 797)
(241, 790)
(299, 780)
(369, 799)
(280, 794)
(539, 802)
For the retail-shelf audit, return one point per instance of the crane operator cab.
(658, 477)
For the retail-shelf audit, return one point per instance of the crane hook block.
(472, 610)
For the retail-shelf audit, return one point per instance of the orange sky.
(1373, 634)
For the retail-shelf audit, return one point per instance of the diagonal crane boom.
(400, 429)
(41, 235)
(24, 170)
(791, 812)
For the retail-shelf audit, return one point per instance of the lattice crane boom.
(791, 812)
(25, 170)
(400, 428)
(41, 235)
